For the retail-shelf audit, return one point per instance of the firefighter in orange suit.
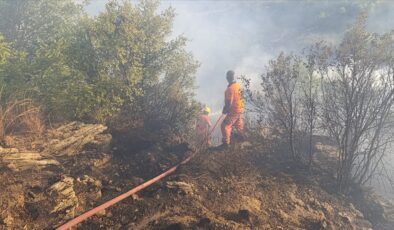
(233, 109)
(203, 126)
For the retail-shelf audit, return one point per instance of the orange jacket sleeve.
(228, 100)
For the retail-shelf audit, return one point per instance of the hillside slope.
(76, 167)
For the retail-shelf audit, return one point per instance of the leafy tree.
(129, 46)
(124, 60)
(11, 69)
(38, 31)
(27, 24)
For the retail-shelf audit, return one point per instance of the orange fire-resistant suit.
(233, 108)
(202, 128)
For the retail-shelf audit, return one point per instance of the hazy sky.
(244, 35)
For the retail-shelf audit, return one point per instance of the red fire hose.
(115, 200)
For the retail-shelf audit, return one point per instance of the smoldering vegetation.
(345, 92)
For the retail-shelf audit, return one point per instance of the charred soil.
(249, 186)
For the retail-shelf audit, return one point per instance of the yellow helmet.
(207, 110)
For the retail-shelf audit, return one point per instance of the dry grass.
(32, 121)
(20, 116)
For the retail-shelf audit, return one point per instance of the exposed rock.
(8, 150)
(87, 180)
(17, 161)
(101, 143)
(68, 140)
(71, 138)
(99, 163)
(94, 187)
(63, 196)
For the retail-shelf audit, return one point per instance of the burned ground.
(249, 186)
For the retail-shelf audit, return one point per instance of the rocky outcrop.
(63, 197)
(67, 140)
(91, 188)
(71, 138)
(21, 160)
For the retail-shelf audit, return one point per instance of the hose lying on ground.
(115, 200)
